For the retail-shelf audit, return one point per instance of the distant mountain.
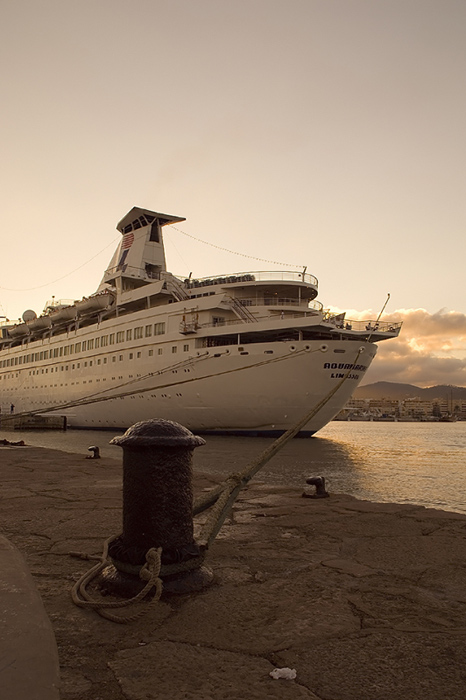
(392, 390)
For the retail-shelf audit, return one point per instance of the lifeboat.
(61, 314)
(94, 303)
(41, 323)
(18, 331)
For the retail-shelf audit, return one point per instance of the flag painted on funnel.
(128, 239)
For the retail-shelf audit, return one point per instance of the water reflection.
(400, 462)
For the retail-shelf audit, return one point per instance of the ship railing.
(236, 321)
(132, 271)
(281, 301)
(238, 277)
(369, 326)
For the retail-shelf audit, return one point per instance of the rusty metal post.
(157, 509)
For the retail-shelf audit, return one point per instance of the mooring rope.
(221, 498)
(149, 572)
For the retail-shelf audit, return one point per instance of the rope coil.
(149, 572)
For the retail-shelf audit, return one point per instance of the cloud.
(430, 350)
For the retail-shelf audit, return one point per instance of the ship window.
(129, 334)
(97, 342)
(67, 350)
(77, 347)
(41, 356)
(120, 336)
(104, 341)
(46, 355)
(84, 345)
(111, 339)
(138, 333)
(159, 328)
(90, 344)
(61, 351)
(148, 331)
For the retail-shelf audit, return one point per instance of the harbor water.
(419, 463)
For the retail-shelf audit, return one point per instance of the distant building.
(412, 408)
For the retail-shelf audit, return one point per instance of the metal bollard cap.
(158, 432)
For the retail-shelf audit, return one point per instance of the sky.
(320, 133)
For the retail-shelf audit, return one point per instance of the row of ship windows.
(86, 345)
(90, 381)
(99, 361)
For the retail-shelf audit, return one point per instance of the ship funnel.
(140, 256)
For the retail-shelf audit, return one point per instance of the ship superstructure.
(249, 352)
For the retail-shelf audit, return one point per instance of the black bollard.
(157, 510)
(319, 483)
(95, 453)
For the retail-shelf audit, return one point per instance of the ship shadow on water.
(291, 466)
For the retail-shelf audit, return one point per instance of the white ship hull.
(236, 354)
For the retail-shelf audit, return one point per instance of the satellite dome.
(29, 315)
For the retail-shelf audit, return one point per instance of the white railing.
(374, 326)
(241, 277)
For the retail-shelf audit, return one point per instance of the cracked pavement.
(366, 601)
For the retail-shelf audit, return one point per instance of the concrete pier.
(365, 601)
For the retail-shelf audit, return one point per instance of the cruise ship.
(243, 353)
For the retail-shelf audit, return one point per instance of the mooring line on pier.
(221, 499)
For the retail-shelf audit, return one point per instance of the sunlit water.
(421, 463)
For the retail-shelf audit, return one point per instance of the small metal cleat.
(95, 453)
(319, 483)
